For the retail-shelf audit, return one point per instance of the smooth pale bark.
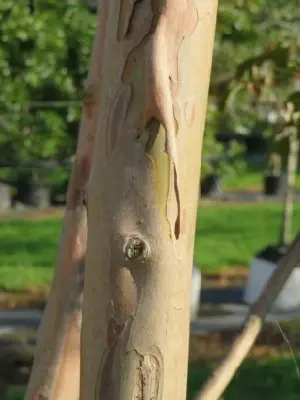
(56, 369)
(288, 205)
(143, 196)
(215, 386)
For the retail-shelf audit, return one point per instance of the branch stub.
(135, 249)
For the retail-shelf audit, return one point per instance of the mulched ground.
(33, 213)
(33, 299)
(17, 357)
(213, 346)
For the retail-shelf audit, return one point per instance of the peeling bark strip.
(143, 198)
(125, 17)
(156, 58)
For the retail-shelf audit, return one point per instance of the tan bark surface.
(143, 196)
(289, 190)
(56, 368)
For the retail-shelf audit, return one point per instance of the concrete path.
(12, 321)
(236, 319)
(6, 330)
(15, 319)
(226, 295)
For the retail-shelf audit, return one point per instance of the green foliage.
(43, 57)
(216, 159)
(272, 378)
(13, 394)
(256, 64)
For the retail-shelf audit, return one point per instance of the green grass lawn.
(27, 252)
(249, 179)
(272, 379)
(227, 236)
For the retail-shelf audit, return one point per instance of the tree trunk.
(56, 369)
(287, 216)
(142, 198)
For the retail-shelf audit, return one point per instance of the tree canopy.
(44, 53)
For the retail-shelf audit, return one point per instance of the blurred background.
(250, 186)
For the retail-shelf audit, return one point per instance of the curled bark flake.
(160, 172)
(162, 102)
(157, 57)
(152, 129)
(130, 12)
(125, 16)
(160, 106)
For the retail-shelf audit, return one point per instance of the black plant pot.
(5, 196)
(59, 194)
(273, 253)
(92, 5)
(38, 196)
(210, 185)
(272, 185)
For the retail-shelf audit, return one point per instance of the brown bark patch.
(89, 100)
(147, 378)
(124, 294)
(78, 182)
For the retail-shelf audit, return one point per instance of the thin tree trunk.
(56, 369)
(222, 376)
(288, 207)
(143, 195)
